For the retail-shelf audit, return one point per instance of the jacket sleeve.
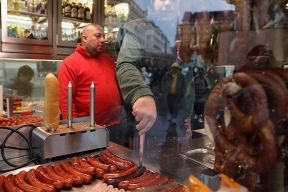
(131, 83)
(65, 75)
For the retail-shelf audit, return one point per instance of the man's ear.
(84, 38)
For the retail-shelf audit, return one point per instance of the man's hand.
(144, 110)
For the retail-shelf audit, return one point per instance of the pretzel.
(247, 136)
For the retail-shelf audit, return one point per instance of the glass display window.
(27, 19)
(74, 15)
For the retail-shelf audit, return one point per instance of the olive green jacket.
(129, 62)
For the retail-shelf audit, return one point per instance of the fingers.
(144, 111)
(146, 121)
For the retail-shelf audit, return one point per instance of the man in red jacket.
(86, 65)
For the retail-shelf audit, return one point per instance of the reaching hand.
(144, 110)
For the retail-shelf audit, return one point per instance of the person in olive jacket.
(135, 91)
(173, 89)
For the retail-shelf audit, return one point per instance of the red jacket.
(82, 70)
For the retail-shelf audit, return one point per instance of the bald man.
(86, 65)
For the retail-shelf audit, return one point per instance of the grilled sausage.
(32, 180)
(67, 181)
(58, 169)
(9, 184)
(98, 171)
(148, 181)
(119, 174)
(96, 163)
(45, 178)
(111, 161)
(124, 184)
(89, 169)
(160, 181)
(67, 167)
(21, 183)
(117, 158)
(2, 178)
(140, 171)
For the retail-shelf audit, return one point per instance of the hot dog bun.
(51, 102)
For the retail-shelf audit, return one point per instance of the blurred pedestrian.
(202, 87)
(173, 88)
(146, 76)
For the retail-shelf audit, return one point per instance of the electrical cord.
(18, 148)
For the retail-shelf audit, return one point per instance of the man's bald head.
(93, 39)
(89, 29)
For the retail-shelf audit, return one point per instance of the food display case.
(27, 26)
(72, 16)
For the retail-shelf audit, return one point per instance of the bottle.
(44, 7)
(25, 3)
(15, 4)
(79, 37)
(63, 8)
(87, 13)
(20, 5)
(74, 10)
(31, 6)
(67, 9)
(80, 11)
(10, 4)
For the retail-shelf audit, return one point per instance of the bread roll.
(51, 102)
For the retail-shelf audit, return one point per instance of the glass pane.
(207, 42)
(75, 15)
(27, 19)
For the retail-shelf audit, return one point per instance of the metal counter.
(165, 159)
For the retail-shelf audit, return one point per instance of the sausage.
(122, 162)
(67, 167)
(148, 181)
(9, 184)
(83, 169)
(21, 183)
(168, 189)
(119, 174)
(45, 178)
(67, 181)
(96, 187)
(109, 188)
(117, 158)
(96, 163)
(124, 184)
(160, 181)
(140, 171)
(32, 180)
(118, 164)
(98, 171)
(102, 187)
(2, 178)
(181, 188)
(83, 162)
(58, 169)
